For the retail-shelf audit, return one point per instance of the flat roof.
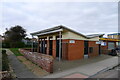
(114, 34)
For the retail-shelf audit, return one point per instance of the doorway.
(57, 47)
(99, 49)
(41, 47)
(86, 49)
(44, 46)
(50, 46)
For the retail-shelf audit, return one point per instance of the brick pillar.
(54, 49)
(48, 44)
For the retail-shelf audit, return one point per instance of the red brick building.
(64, 43)
(108, 44)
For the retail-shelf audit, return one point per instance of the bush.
(5, 66)
(17, 44)
(20, 44)
(3, 51)
(5, 44)
(28, 46)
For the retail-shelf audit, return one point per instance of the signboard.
(72, 41)
(98, 42)
(103, 43)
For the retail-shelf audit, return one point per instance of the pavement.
(37, 70)
(76, 75)
(110, 73)
(107, 74)
(19, 68)
(67, 69)
(89, 69)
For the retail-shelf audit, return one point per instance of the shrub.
(5, 66)
(17, 44)
(5, 44)
(20, 44)
(3, 51)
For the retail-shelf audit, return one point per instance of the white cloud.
(82, 17)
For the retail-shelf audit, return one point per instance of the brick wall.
(95, 47)
(105, 49)
(43, 60)
(65, 49)
(76, 50)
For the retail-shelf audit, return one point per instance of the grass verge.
(16, 51)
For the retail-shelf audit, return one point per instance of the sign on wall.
(98, 42)
(103, 44)
(72, 41)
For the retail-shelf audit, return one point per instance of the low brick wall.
(42, 60)
(105, 51)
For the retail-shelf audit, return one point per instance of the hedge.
(5, 62)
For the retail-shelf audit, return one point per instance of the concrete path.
(108, 74)
(87, 69)
(20, 69)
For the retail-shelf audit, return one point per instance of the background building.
(111, 42)
(114, 36)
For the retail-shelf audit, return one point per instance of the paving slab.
(108, 74)
(76, 75)
(88, 69)
(20, 69)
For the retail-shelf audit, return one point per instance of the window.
(112, 36)
(111, 45)
(90, 49)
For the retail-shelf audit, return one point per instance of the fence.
(42, 60)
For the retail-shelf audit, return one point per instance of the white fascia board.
(50, 32)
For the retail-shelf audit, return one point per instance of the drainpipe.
(60, 46)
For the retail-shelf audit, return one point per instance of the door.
(99, 49)
(65, 51)
(57, 47)
(41, 48)
(44, 47)
(50, 46)
(86, 49)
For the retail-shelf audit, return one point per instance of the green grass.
(16, 51)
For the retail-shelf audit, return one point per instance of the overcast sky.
(84, 17)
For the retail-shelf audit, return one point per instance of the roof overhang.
(49, 32)
(109, 39)
(58, 29)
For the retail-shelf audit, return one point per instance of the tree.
(14, 35)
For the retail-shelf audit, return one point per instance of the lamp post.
(60, 46)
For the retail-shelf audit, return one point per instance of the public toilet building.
(64, 43)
